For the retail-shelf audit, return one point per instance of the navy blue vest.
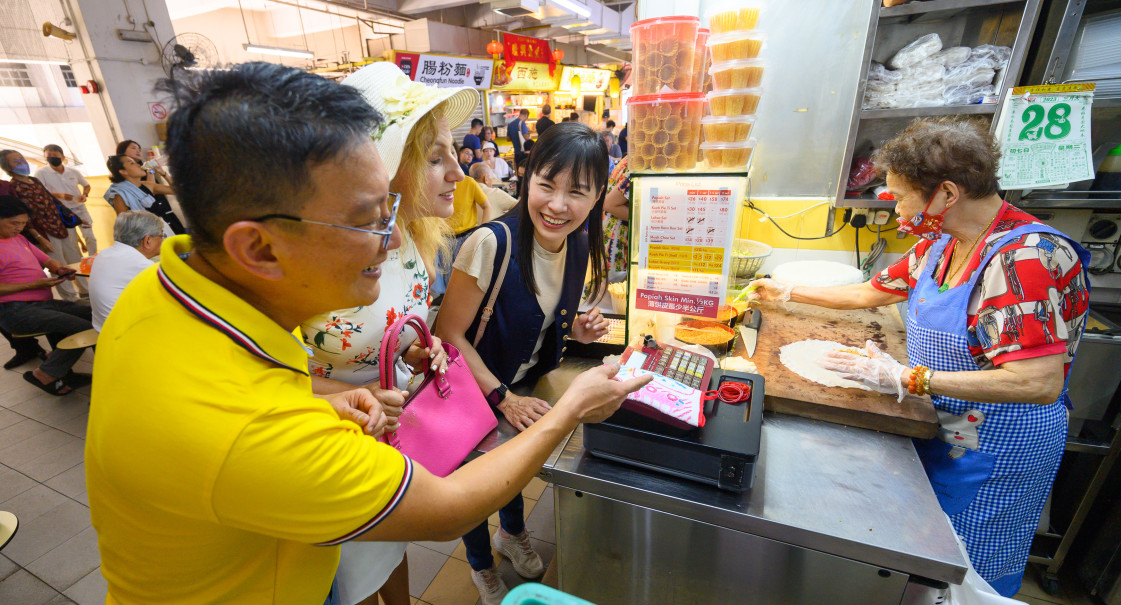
(513, 328)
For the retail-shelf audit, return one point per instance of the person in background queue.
(156, 182)
(551, 228)
(58, 241)
(997, 302)
(28, 307)
(220, 477)
(70, 187)
(574, 117)
(26, 348)
(472, 141)
(623, 139)
(517, 131)
(466, 155)
(544, 122)
(137, 236)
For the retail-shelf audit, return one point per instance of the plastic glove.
(878, 371)
(769, 290)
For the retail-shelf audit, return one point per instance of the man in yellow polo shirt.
(213, 473)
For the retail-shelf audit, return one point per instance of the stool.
(81, 340)
(32, 335)
(9, 524)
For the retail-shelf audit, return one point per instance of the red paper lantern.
(558, 55)
(494, 47)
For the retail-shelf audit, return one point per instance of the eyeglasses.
(385, 232)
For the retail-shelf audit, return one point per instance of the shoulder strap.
(488, 309)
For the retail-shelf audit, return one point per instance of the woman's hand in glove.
(769, 290)
(878, 371)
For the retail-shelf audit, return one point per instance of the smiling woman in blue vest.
(536, 307)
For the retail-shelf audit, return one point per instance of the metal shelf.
(919, 112)
(865, 202)
(918, 8)
(1071, 199)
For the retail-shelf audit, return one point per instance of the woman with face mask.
(416, 146)
(997, 302)
(553, 231)
(58, 241)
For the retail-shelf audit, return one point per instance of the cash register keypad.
(682, 366)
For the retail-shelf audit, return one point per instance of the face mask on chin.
(56, 162)
(925, 225)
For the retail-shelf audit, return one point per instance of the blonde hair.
(430, 234)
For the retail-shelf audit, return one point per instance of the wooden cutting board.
(788, 393)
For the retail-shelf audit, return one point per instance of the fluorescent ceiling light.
(278, 50)
(132, 35)
(562, 21)
(572, 7)
(583, 28)
(34, 62)
(578, 24)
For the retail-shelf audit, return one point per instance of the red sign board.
(529, 50)
(408, 63)
(681, 304)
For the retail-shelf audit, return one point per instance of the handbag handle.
(488, 310)
(387, 351)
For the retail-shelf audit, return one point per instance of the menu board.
(686, 235)
(1044, 135)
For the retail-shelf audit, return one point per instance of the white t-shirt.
(113, 269)
(500, 168)
(476, 258)
(70, 181)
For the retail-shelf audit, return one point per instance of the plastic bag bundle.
(877, 71)
(880, 86)
(977, 72)
(879, 100)
(965, 94)
(916, 51)
(951, 56)
(925, 94)
(861, 174)
(925, 71)
(999, 55)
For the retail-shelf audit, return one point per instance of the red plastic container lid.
(671, 97)
(686, 19)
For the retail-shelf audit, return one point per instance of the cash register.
(722, 452)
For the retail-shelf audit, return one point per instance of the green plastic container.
(539, 594)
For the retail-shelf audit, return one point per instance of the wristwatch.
(497, 395)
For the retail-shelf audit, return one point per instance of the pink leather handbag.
(444, 418)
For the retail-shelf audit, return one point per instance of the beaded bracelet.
(919, 381)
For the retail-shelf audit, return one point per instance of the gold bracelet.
(926, 381)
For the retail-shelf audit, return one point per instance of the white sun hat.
(403, 102)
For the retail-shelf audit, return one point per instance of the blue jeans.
(512, 519)
(333, 596)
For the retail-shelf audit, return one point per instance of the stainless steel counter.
(852, 493)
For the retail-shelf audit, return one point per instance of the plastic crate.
(539, 594)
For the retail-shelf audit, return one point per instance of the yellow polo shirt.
(213, 473)
(468, 196)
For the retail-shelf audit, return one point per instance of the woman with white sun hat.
(415, 143)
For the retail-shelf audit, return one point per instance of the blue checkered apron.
(994, 494)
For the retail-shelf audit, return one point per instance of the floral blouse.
(345, 343)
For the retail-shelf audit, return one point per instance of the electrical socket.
(882, 217)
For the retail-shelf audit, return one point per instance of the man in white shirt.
(69, 186)
(137, 238)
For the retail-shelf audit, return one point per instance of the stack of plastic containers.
(737, 72)
(664, 123)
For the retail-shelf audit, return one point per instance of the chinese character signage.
(685, 243)
(445, 71)
(1044, 135)
(591, 80)
(523, 76)
(523, 49)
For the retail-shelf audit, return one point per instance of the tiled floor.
(53, 559)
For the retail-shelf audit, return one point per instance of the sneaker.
(517, 548)
(491, 587)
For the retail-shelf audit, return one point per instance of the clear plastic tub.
(727, 129)
(733, 15)
(664, 54)
(664, 131)
(734, 102)
(701, 60)
(736, 45)
(743, 73)
(728, 156)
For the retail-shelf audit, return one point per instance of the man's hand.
(590, 326)
(421, 358)
(65, 272)
(392, 403)
(522, 411)
(595, 395)
(360, 407)
(46, 282)
(69, 197)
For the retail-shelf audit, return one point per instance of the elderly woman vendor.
(997, 302)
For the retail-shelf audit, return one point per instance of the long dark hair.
(123, 146)
(569, 145)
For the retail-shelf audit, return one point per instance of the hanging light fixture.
(495, 48)
(558, 55)
(575, 84)
(613, 86)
